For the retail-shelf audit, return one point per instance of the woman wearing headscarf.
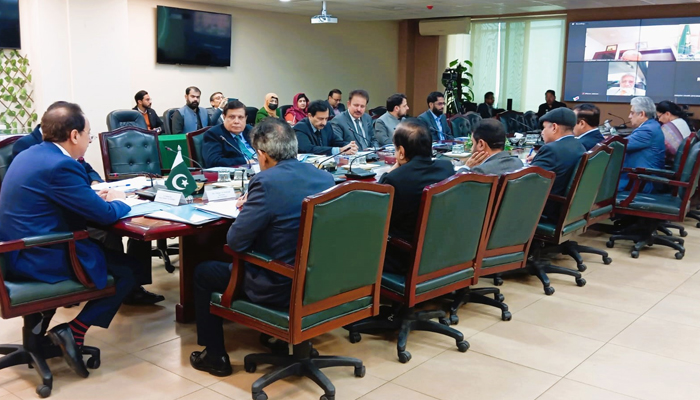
(270, 109)
(674, 127)
(297, 111)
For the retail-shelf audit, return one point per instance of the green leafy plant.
(16, 103)
(458, 81)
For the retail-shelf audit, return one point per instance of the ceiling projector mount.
(324, 18)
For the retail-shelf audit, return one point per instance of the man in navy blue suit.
(267, 224)
(587, 122)
(228, 144)
(560, 154)
(54, 196)
(646, 147)
(316, 136)
(435, 117)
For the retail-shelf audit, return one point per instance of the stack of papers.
(186, 214)
(225, 209)
(126, 185)
(146, 208)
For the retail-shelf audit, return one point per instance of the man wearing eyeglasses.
(435, 117)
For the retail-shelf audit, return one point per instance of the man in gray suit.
(435, 117)
(354, 125)
(396, 110)
(488, 157)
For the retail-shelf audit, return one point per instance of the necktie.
(361, 133)
(242, 147)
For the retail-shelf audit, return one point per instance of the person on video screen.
(626, 88)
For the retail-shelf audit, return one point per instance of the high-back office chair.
(283, 110)
(474, 119)
(574, 209)
(121, 118)
(531, 120)
(441, 261)
(6, 145)
(328, 291)
(603, 206)
(130, 150)
(377, 112)
(168, 120)
(36, 303)
(460, 126)
(250, 113)
(509, 120)
(195, 142)
(510, 233)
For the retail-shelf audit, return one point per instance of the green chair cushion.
(397, 282)
(280, 319)
(601, 211)
(549, 229)
(655, 202)
(26, 292)
(502, 259)
(133, 152)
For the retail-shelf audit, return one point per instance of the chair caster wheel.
(607, 260)
(506, 316)
(260, 396)
(93, 363)
(463, 346)
(635, 254)
(454, 319)
(582, 267)
(360, 372)
(313, 353)
(250, 368)
(43, 391)
(169, 267)
(580, 282)
(610, 244)
(444, 321)
(404, 357)
(679, 255)
(549, 290)
(328, 397)
(355, 337)
(498, 281)
(684, 233)
(499, 297)
(697, 225)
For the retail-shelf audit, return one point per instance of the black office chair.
(531, 120)
(167, 120)
(377, 112)
(460, 126)
(250, 113)
(473, 118)
(283, 110)
(121, 118)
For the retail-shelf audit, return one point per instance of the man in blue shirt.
(435, 117)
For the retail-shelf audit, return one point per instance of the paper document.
(222, 169)
(186, 214)
(146, 208)
(222, 208)
(126, 185)
(132, 202)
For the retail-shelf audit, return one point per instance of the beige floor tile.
(8, 396)
(581, 319)
(393, 391)
(204, 394)
(11, 330)
(678, 309)
(571, 390)
(644, 276)
(533, 346)
(473, 319)
(127, 377)
(639, 374)
(690, 288)
(615, 297)
(456, 376)
(668, 339)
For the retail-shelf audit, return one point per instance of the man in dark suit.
(485, 109)
(228, 144)
(267, 224)
(414, 170)
(335, 103)
(435, 117)
(550, 103)
(488, 157)
(586, 129)
(354, 125)
(143, 105)
(54, 196)
(561, 153)
(316, 136)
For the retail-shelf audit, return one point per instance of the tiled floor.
(633, 332)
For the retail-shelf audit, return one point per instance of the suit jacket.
(408, 181)
(269, 224)
(316, 143)
(544, 108)
(562, 157)
(153, 118)
(427, 117)
(217, 153)
(485, 111)
(35, 138)
(646, 148)
(344, 127)
(331, 113)
(590, 139)
(52, 196)
(384, 128)
(498, 164)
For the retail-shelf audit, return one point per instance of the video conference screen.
(613, 61)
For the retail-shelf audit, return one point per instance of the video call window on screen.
(613, 61)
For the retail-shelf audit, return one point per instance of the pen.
(530, 153)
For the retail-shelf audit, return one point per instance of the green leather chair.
(130, 150)
(575, 207)
(441, 260)
(333, 285)
(195, 141)
(654, 209)
(6, 145)
(121, 118)
(461, 126)
(36, 303)
(510, 233)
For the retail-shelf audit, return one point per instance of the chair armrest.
(654, 171)
(400, 243)
(658, 179)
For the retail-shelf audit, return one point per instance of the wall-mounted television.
(613, 61)
(9, 24)
(193, 37)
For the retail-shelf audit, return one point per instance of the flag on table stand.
(180, 179)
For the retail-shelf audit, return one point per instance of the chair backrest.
(167, 120)
(121, 118)
(250, 113)
(682, 155)
(283, 110)
(531, 120)
(611, 179)
(460, 126)
(508, 119)
(377, 112)
(6, 146)
(130, 150)
(586, 183)
(473, 118)
(690, 172)
(195, 142)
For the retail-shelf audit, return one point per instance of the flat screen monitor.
(9, 24)
(613, 61)
(193, 37)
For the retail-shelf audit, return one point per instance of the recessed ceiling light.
(285, 1)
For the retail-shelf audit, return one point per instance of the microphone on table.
(134, 175)
(624, 123)
(363, 174)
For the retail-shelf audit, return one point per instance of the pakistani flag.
(180, 179)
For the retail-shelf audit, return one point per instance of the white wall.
(98, 53)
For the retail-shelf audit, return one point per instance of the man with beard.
(435, 119)
(191, 117)
(396, 110)
(316, 136)
(143, 105)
